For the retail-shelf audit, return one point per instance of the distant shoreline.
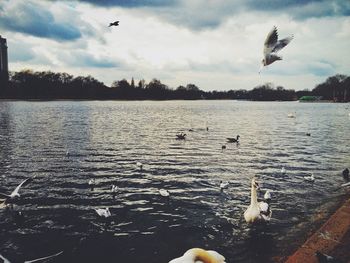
(47, 85)
(46, 100)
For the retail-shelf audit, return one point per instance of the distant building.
(4, 69)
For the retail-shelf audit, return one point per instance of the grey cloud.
(131, 3)
(316, 68)
(200, 16)
(84, 59)
(33, 19)
(18, 52)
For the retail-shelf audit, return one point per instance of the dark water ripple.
(106, 139)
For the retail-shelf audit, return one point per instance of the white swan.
(103, 212)
(164, 192)
(310, 178)
(257, 211)
(199, 255)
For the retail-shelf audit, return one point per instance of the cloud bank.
(216, 45)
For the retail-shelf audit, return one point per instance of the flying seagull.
(34, 260)
(15, 192)
(116, 23)
(272, 45)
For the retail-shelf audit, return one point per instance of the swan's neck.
(253, 196)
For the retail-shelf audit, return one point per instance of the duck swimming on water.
(233, 139)
(181, 136)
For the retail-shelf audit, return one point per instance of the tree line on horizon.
(47, 85)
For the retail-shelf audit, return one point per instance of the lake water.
(105, 139)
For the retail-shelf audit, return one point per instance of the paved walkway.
(333, 239)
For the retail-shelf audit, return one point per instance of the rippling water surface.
(106, 139)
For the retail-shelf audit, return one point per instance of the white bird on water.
(283, 170)
(103, 212)
(91, 182)
(223, 185)
(33, 260)
(310, 178)
(195, 255)
(164, 192)
(271, 46)
(114, 189)
(291, 115)
(15, 192)
(267, 195)
(139, 165)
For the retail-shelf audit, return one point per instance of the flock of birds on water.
(256, 212)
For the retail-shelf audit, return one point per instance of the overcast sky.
(215, 44)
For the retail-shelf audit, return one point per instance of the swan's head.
(200, 255)
(255, 184)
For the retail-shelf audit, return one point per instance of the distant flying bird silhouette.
(272, 45)
(116, 23)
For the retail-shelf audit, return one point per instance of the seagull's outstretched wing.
(18, 187)
(43, 258)
(271, 38)
(4, 259)
(282, 43)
